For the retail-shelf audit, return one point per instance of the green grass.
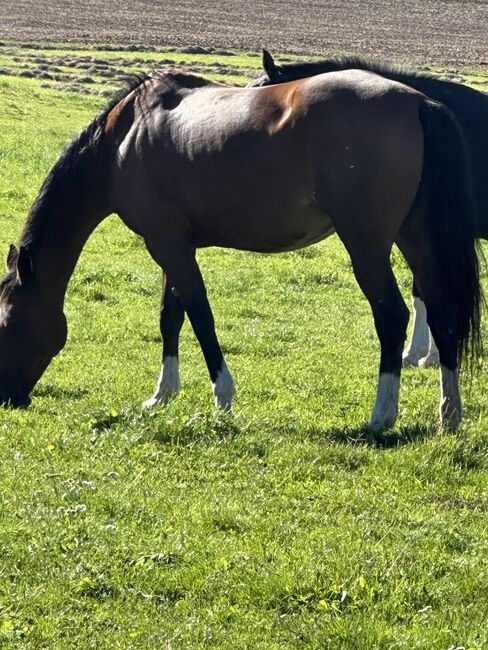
(284, 526)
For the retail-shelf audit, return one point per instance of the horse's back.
(266, 168)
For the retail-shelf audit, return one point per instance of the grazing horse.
(469, 106)
(188, 163)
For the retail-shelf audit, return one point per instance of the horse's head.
(272, 72)
(32, 331)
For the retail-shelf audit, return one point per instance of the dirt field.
(445, 32)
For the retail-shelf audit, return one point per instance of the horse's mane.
(89, 137)
(348, 62)
(183, 79)
(79, 149)
(70, 159)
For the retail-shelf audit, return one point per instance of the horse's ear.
(269, 64)
(12, 257)
(25, 268)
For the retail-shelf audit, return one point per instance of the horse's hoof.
(223, 404)
(431, 360)
(224, 389)
(411, 358)
(410, 361)
(21, 402)
(383, 419)
(450, 415)
(378, 425)
(160, 399)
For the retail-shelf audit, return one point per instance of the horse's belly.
(268, 231)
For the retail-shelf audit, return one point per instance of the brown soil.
(439, 32)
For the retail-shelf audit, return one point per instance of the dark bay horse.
(188, 163)
(470, 108)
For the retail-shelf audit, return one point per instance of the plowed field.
(440, 32)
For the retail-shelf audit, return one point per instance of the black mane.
(84, 145)
(75, 153)
(348, 62)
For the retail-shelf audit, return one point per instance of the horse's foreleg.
(375, 277)
(183, 273)
(198, 309)
(171, 319)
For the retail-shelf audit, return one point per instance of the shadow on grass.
(49, 390)
(379, 440)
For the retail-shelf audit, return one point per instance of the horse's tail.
(452, 218)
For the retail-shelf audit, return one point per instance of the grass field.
(285, 525)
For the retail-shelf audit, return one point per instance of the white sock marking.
(450, 410)
(385, 410)
(224, 388)
(168, 385)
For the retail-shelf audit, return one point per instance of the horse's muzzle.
(17, 401)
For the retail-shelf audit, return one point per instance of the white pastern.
(168, 385)
(224, 389)
(431, 359)
(418, 346)
(386, 406)
(450, 410)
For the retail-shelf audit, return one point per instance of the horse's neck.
(70, 205)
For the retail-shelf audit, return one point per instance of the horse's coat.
(468, 105)
(188, 163)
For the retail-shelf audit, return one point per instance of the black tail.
(453, 222)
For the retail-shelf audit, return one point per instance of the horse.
(188, 163)
(470, 107)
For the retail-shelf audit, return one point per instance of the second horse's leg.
(421, 350)
(431, 359)
(418, 345)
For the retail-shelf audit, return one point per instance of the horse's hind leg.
(421, 350)
(171, 319)
(375, 277)
(182, 272)
(371, 265)
(441, 317)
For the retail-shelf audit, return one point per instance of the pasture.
(285, 525)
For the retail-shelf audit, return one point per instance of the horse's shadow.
(389, 439)
(56, 392)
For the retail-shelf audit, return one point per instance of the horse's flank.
(469, 105)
